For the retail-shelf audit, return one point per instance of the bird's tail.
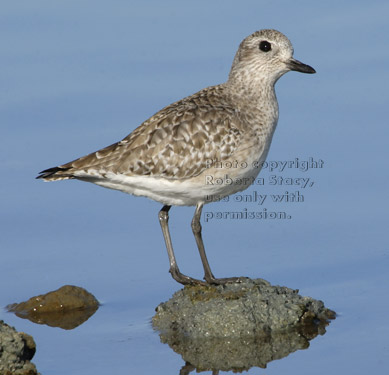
(56, 173)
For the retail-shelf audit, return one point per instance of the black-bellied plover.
(185, 154)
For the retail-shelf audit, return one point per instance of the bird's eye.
(265, 46)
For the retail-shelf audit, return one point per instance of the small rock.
(16, 351)
(67, 307)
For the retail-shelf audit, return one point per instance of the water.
(77, 77)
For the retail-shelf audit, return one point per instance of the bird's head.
(265, 56)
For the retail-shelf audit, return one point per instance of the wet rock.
(239, 325)
(67, 307)
(16, 351)
(237, 309)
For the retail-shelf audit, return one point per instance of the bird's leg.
(196, 228)
(176, 274)
(187, 369)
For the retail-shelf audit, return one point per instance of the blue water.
(76, 77)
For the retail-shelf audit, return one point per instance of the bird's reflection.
(240, 354)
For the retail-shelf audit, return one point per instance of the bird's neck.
(257, 95)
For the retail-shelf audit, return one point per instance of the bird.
(182, 155)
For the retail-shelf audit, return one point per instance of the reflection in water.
(67, 308)
(240, 354)
(236, 326)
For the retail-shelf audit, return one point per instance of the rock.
(236, 310)
(67, 307)
(16, 351)
(238, 325)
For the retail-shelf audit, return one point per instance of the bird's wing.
(180, 141)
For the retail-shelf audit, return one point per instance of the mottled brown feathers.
(233, 120)
(177, 142)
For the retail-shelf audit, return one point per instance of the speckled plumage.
(175, 155)
(173, 144)
(231, 122)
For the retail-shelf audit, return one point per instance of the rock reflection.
(66, 308)
(237, 326)
(240, 354)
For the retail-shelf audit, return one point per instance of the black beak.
(298, 66)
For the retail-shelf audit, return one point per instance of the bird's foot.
(185, 280)
(227, 280)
